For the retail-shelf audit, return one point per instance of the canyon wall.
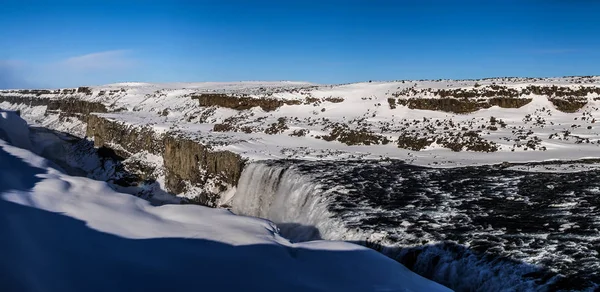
(187, 163)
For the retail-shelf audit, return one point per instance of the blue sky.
(72, 43)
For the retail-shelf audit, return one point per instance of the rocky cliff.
(188, 164)
(125, 139)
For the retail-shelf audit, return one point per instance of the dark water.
(495, 229)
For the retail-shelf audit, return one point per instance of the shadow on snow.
(47, 251)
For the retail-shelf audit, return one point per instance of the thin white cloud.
(116, 59)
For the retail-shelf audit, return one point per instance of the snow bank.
(65, 233)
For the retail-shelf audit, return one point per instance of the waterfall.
(299, 201)
(291, 200)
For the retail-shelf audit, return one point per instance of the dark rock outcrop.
(75, 106)
(241, 102)
(66, 106)
(131, 139)
(458, 106)
(28, 100)
(569, 105)
(187, 160)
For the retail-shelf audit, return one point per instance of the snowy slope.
(65, 233)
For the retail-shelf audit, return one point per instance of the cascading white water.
(290, 199)
(298, 204)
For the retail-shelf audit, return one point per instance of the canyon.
(435, 174)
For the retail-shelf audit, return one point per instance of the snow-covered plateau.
(481, 185)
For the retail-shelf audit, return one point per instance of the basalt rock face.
(108, 133)
(569, 105)
(30, 100)
(189, 161)
(66, 106)
(241, 103)
(458, 106)
(76, 107)
(466, 100)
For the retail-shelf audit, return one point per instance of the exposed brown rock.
(392, 103)
(28, 100)
(299, 133)
(84, 90)
(413, 142)
(75, 107)
(361, 136)
(505, 102)
(277, 128)
(569, 105)
(187, 160)
(241, 102)
(132, 139)
(223, 128)
(460, 106)
(68, 106)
